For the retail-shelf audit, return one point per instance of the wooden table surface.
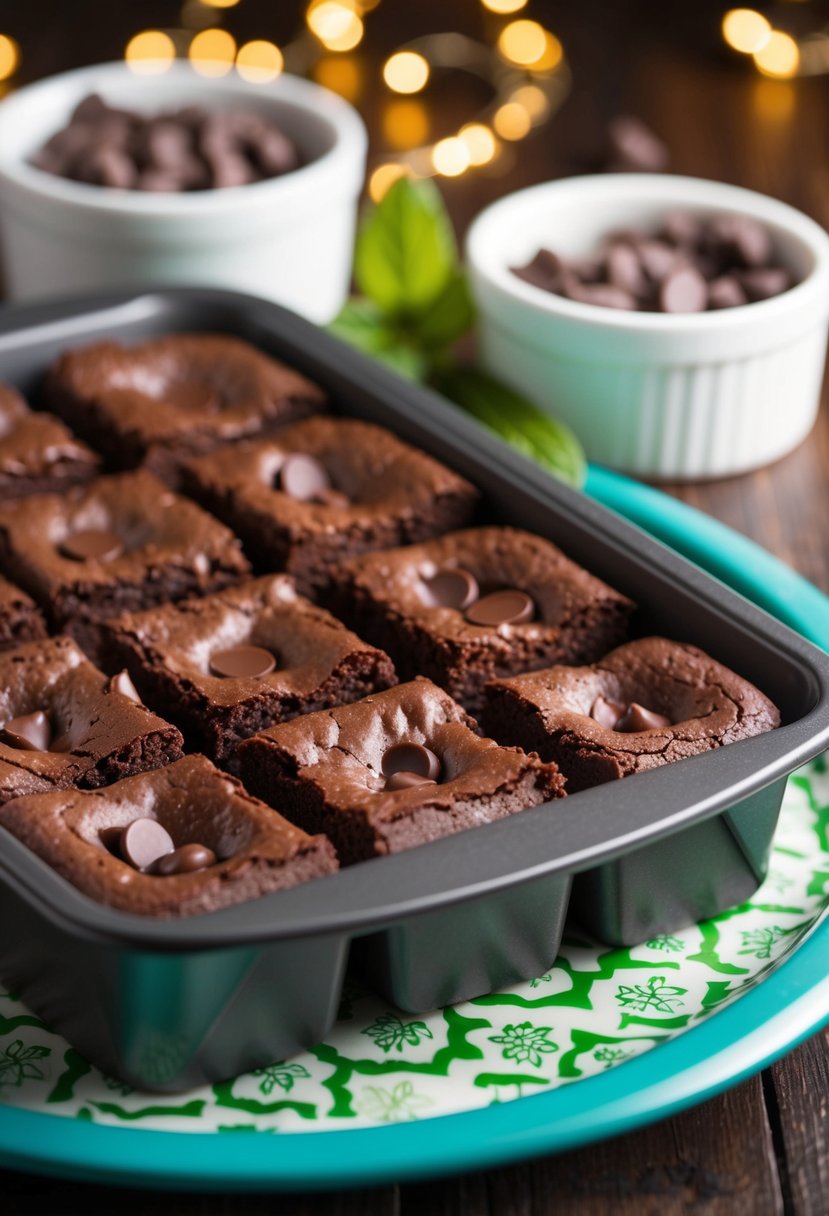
(763, 1147)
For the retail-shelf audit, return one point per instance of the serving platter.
(602, 1042)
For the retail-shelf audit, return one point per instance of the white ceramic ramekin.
(289, 239)
(661, 396)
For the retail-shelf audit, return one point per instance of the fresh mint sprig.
(414, 306)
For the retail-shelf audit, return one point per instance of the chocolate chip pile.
(690, 264)
(171, 152)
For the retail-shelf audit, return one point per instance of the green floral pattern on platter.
(591, 1011)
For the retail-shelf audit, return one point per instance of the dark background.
(761, 1148)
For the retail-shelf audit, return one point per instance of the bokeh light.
(150, 53)
(9, 56)
(746, 30)
(480, 143)
(259, 61)
(533, 99)
(511, 121)
(406, 72)
(450, 156)
(212, 52)
(341, 74)
(219, 3)
(336, 24)
(780, 57)
(502, 7)
(522, 42)
(383, 177)
(405, 124)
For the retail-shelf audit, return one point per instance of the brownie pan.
(167, 1005)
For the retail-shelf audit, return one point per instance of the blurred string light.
(504, 7)
(150, 53)
(406, 72)
(212, 52)
(336, 23)
(9, 56)
(774, 52)
(259, 61)
(528, 77)
(525, 70)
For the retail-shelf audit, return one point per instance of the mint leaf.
(524, 427)
(406, 250)
(361, 324)
(451, 316)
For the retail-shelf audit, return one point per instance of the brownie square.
(146, 546)
(37, 452)
(395, 600)
(702, 705)
(325, 772)
(20, 617)
(255, 851)
(380, 493)
(175, 654)
(172, 397)
(64, 723)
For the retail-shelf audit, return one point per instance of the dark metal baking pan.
(168, 1005)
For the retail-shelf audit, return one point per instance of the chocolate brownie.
(645, 704)
(20, 617)
(395, 770)
(37, 452)
(228, 665)
(325, 490)
(474, 605)
(172, 397)
(120, 544)
(64, 723)
(183, 840)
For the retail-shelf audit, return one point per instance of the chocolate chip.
(634, 146)
(242, 662)
(658, 259)
(636, 718)
(410, 758)
(274, 152)
(109, 166)
(159, 181)
(143, 841)
(684, 290)
(765, 283)
(605, 295)
(681, 228)
(121, 683)
(167, 144)
(452, 588)
(407, 781)
(92, 544)
(741, 237)
(303, 477)
(624, 270)
(185, 860)
(506, 607)
(30, 732)
(544, 270)
(606, 712)
(194, 395)
(726, 292)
